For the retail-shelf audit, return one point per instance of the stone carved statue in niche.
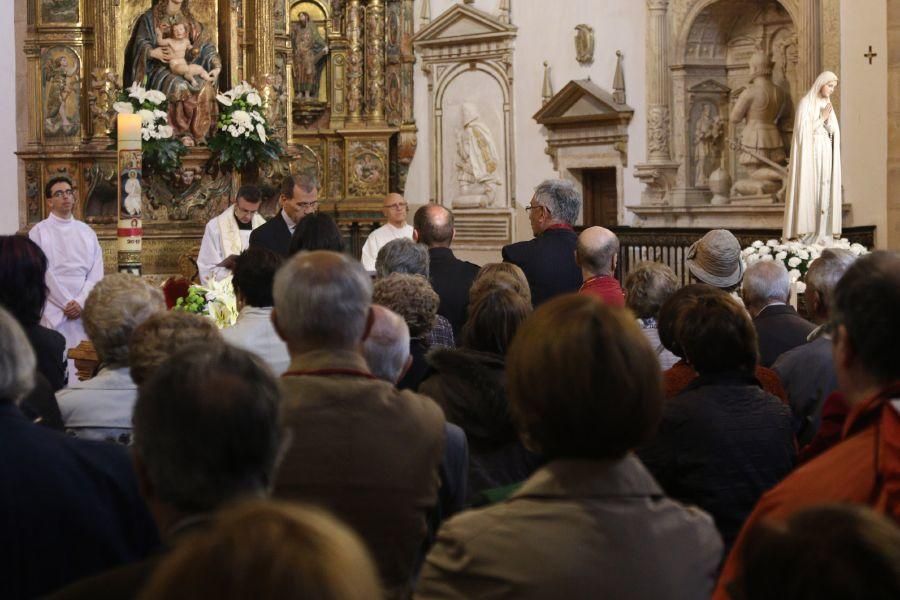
(477, 162)
(61, 83)
(708, 133)
(584, 44)
(309, 57)
(762, 104)
(192, 106)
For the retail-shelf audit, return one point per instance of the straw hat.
(716, 259)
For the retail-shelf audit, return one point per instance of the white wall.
(547, 32)
(9, 168)
(863, 117)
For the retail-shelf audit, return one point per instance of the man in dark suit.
(766, 290)
(549, 259)
(299, 197)
(451, 278)
(70, 507)
(206, 434)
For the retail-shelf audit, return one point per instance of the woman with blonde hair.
(812, 208)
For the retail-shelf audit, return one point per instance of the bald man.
(597, 253)
(450, 277)
(395, 210)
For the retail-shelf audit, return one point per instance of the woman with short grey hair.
(100, 408)
(647, 288)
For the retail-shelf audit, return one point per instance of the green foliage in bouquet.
(243, 136)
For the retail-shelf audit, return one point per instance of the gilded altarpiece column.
(375, 62)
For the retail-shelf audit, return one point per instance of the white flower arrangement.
(162, 151)
(795, 256)
(243, 136)
(215, 301)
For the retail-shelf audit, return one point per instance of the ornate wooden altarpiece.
(355, 128)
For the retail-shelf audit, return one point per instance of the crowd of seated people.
(532, 428)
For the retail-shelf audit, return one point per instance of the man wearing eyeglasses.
(299, 197)
(74, 260)
(395, 211)
(228, 234)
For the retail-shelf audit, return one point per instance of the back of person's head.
(254, 275)
(434, 225)
(716, 334)
(163, 334)
(823, 275)
(402, 256)
(561, 198)
(17, 360)
(502, 274)
(411, 297)
(493, 320)
(670, 311)
(268, 550)
(865, 307)
(206, 427)
(117, 304)
(582, 380)
(322, 300)
(765, 281)
(23, 266)
(317, 231)
(386, 347)
(828, 552)
(647, 288)
(597, 250)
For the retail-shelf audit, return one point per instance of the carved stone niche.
(588, 130)
(467, 58)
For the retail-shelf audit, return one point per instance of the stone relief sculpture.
(476, 161)
(192, 106)
(310, 50)
(707, 134)
(61, 98)
(584, 44)
(761, 105)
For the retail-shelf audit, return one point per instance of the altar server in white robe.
(229, 233)
(395, 210)
(74, 259)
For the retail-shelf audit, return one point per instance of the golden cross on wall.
(870, 55)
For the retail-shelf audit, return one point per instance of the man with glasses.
(299, 197)
(74, 261)
(228, 234)
(395, 211)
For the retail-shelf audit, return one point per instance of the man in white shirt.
(229, 233)
(74, 261)
(395, 210)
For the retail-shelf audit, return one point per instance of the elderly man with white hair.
(74, 506)
(766, 290)
(100, 407)
(807, 371)
(362, 449)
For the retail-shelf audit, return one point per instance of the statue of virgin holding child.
(150, 62)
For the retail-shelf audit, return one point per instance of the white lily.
(147, 116)
(224, 99)
(137, 92)
(123, 108)
(253, 99)
(261, 132)
(154, 96)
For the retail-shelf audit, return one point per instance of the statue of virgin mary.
(191, 107)
(812, 210)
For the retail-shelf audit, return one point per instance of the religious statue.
(309, 57)
(762, 104)
(61, 116)
(705, 136)
(132, 201)
(477, 162)
(172, 65)
(812, 211)
(584, 44)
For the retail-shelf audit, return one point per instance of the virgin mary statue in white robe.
(812, 210)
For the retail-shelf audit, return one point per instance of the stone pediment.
(710, 86)
(462, 24)
(582, 101)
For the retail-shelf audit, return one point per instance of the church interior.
(633, 151)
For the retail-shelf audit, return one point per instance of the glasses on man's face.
(308, 205)
(530, 207)
(60, 194)
(397, 206)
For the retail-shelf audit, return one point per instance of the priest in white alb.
(229, 234)
(395, 211)
(74, 261)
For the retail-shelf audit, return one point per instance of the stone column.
(375, 61)
(657, 82)
(810, 44)
(354, 63)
